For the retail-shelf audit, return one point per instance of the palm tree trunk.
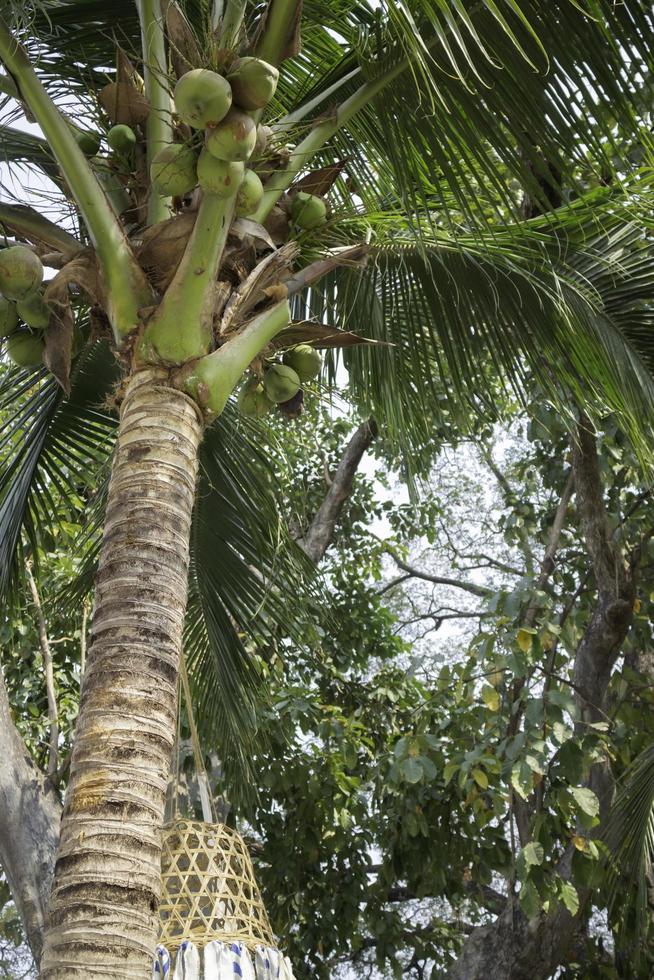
(103, 906)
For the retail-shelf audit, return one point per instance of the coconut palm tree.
(339, 176)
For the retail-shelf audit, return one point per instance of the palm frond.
(490, 91)
(50, 451)
(247, 585)
(629, 837)
(565, 298)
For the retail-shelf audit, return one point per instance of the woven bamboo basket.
(209, 888)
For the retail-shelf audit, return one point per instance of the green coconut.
(25, 349)
(21, 272)
(308, 211)
(305, 361)
(202, 98)
(34, 311)
(8, 317)
(218, 176)
(122, 139)
(89, 143)
(249, 194)
(253, 401)
(280, 383)
(173, 171)
(253, 83)
(234, 138)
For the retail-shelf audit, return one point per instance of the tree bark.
(29, 827)
(103, 907)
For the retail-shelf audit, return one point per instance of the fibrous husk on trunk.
(268, 275)
(162, 247)
(123, 103)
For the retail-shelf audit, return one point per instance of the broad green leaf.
(586, 800)
(533, 853)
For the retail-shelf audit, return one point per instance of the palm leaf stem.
(217, 374)
(35, 227)
(159, 125)
(280, 18)
(189, 297)
(290, 120)
(232, 21)
(282, 179)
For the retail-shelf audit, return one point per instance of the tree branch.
(321, 531)
(29, 828)
(413, 572)
(46, 654)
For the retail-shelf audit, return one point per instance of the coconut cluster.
(24, 315)
(281, 384)
(221, 106)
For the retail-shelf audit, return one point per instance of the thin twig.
(46, 653)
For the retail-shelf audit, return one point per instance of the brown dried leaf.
(267, 275)
(83, 272)
(59, 345)
(320, 336)
(277, 225)
(244, 229)
(184, 50)
(321, 181)
(125, 70)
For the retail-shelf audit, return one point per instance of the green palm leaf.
(51, 450)
(566, 298)
(629, 837)
(247, 586)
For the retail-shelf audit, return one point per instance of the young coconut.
(25, 349)
(173, 170)
(308, 211)
(218, 176)
(305, 361)
(234, 138)
(21, 272)
(34, 311)
(89, 143)
(8, 317)
(122, 139)
(280, 383)
(202, 98)
(249, 194)
(253, 83)
(252, 400)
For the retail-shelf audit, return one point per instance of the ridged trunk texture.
(102, 917)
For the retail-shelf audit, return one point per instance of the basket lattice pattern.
(209, 889)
